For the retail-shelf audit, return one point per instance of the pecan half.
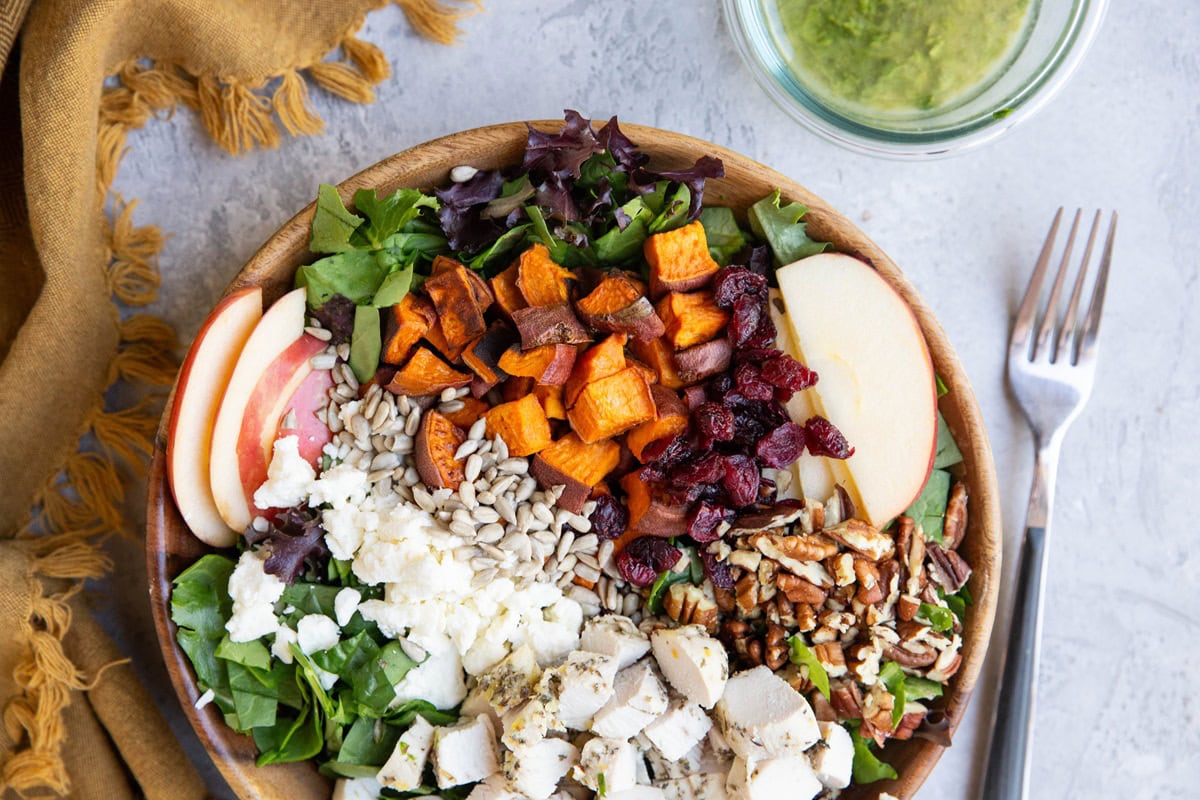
(807, 547)
(863, 538)
(911, 654)
(832, 658)
(954, 526)
(846, 699)
(948, 569)
(799, 590)
(908, 724)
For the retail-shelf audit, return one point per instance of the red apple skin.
(202, 380)
(308, 403)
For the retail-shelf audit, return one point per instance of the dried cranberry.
(707, 469)
(609, 518)
(741, 480)
(781, 446)
(733, 282)
(720, 385)
(655, 551)
(743, 320)
(717, 571)
(750, 383)
(705, 521)
(714, 421)
(675, 452)
(760, 260)
(757, 355)
(764, 334)
(634, 571)
(824, 439)
(786, 372)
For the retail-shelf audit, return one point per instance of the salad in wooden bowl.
(564, 461)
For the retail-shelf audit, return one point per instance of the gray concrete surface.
(1118, 709)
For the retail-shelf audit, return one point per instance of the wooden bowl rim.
(233, 753)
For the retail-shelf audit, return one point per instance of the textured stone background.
(1117, 714)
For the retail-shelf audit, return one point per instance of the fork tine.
(1091, 324)
(1067, 337)
(1046, 331)
(1023, 324)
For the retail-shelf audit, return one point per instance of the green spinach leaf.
(390, 215)
(366, 343)
(948, 453)
(333, 225)
(929, 509)
(725, 237)
(803, 656)
(867, 766)
(940, 619)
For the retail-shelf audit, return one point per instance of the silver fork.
(1052, 378)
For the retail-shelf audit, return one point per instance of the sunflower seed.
(629, 604)
(524, 490)
(378, 475)
(452, 407)
(343, 351)
(403, 404)
(500, 447)
(586, 543)
(485, 515)
(420, 496)
(344, 391)
(612, 598)
(447, 395)
(484, 447)
(465, 449)
(463, 516)
(443, 515)
(412, 477)
(501, 485)
(587, 573)
(348, 376)
(478, 429)
(564, 580)
(542, 513)
(319, 333)
(487, 497)
(567, 564)
(490, 534)
(471, 470)
(564, 543)
(581, 524)
(481, 562)
(513, 466)
(585, 558)
(483, 578)
(494, 551)
(403, 444)
(412, 650)
(467, 552)
(382, 416)
(440, 496)
(388, 461)
(413, 423)
(504, 508)
(323, 361)
(332, 420)
(583, 595)
(489, 474)
(512, 541)
(466, 492)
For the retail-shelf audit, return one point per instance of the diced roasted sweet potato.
(612, 405)
(556, 324)
(549, 364)
(617, 304)
(407, 323)
(522, 424)
(691, 318)
(473, 408)
(479, 287)
(551, 398)
(671, 419)
(651, 375)
(425, 373)
(697, 363)
(515, 388)
(659, 356)
(573, 463)
(598, 361)
(435, 337)
(483, 354)
(438, 439)
(508, 296)
(649, 515)
(460, 298)
(542, 281)
(679, 260)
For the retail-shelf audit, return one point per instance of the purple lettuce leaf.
(337, 315)
(294, 539)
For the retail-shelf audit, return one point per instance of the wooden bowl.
(170, 547)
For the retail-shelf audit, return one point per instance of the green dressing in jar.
(899, 56)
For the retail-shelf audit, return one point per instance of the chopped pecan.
(877, 714)
(768, 572)
(841, 567)
(822, 708)
(910, 545)
(799, 590)
(870, 590)
(746, 593)
(846, 699)
(806, 617)
(889, 579)
(911, 654)
(799, 549)
(907, 607)
(908, 723)
(863, 661)
(863, 538)
(725, 599)
(746, 559)
(948, 568)
(832, 658)
(782, 611)
(954, 527)
(824, 634)
(775, 646)
(781, 515)
(691, 605)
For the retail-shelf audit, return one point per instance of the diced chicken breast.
(531, 722)
(833, 756)
(616, 636)
(356, 789)
(511, 681)
(638, 699)
(695, 663)
(465, 752)
(406, 765)
(582, 685)
(495, 787)
(695, 787)
(789, 776)
(535, 770)
(637, 793)
(607, 766)
(475, 704)
(761, 716)
(679, 729)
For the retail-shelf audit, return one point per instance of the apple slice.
(876, 378)
(202, 381)
(812, 476)
(272, 366)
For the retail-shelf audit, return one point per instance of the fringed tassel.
(146, 353)
(293, 107)
(128, 434)
(133, 256)
(344, 80)
(436, 20)
(369, 59)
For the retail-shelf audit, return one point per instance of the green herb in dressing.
(899, 55)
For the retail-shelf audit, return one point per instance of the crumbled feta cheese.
(438, 679)
(404, 768)
(510, 683)
(464, 753)
(326, 679)
(833, 756)
(281, 648)
(345, 603)
(761, 716)
(339, 486)
(582, 685)
(607, 765)
(679, 729)
(787, 776)
(616, 636)
(356, 789)
(695, 787)
(254, 593)
(204, 699)
(695, 663)
(289, 476)
(316, 632)
(534, 771)
(638, 699)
